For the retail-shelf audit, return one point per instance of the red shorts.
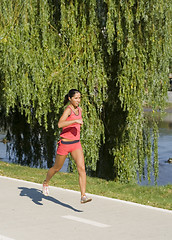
(66, 147)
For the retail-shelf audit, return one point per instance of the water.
(4, 155)
(164, 151)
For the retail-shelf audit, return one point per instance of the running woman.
(70, 122)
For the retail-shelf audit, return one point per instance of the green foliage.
(115, 52)
(141, 31)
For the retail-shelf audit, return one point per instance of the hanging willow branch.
(115, 52)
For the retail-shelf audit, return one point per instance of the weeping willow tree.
(138, 43)
(115, 52)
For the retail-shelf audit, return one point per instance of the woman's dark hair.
(70, 94)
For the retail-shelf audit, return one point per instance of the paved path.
(25, 214)
(170, 96)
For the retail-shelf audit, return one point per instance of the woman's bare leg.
(78, 156)
(57, 166)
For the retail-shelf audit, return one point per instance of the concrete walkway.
(170, 96)
(26, 214)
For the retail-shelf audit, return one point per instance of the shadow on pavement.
(37, 196)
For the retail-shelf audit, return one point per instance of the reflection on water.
(4, 156)
(164, 151)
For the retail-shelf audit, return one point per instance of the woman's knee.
(81, 169)
(58, 163)
(56, 169)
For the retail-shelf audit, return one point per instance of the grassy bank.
(157, 196)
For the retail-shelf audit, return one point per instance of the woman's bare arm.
(62, 121)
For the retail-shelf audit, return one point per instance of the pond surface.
(164, 151)
(4, 155)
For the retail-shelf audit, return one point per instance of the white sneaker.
(45, 189)
(85, 199)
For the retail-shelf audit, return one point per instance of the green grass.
(157, 196)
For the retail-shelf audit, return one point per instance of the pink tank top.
(72, 131)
